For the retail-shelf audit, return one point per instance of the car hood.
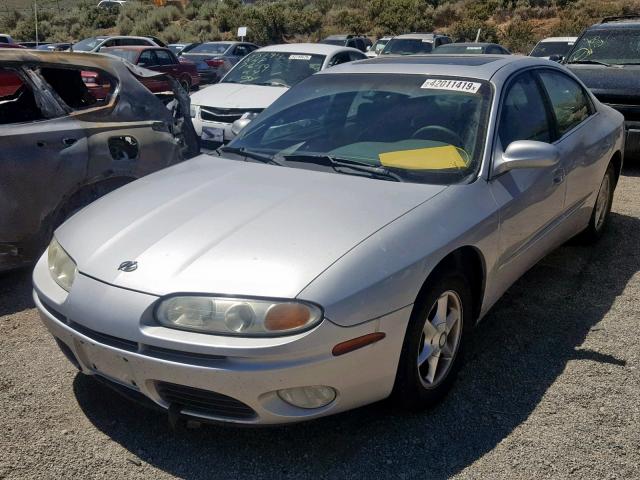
(236, 95)
(214, 225)
(610, 84)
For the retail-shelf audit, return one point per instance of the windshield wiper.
(339, 164)
(249, 154)
(590, 62)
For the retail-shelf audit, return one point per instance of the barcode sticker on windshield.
(453, 85)
(299, 57)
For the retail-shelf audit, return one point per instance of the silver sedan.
(341, 249)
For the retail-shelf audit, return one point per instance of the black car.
(606, 58)
(360, 42)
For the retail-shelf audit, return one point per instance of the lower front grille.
(204, 402)
(224, 115)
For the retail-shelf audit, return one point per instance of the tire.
(416, 387)
(601, 209)
(186, 84)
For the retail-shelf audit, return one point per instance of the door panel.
(531, 201)
(42, 162)
(582, 144)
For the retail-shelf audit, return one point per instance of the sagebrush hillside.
(516, 24)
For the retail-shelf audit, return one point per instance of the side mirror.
(527, 154)
(556, 58)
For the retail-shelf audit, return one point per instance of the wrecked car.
(61, 148)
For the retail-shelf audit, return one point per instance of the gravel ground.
(550, 389)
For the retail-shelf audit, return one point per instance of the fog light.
(308, 397)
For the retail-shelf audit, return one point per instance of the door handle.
(67, 142)
(558, 176)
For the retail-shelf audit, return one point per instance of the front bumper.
(632, 140)
(108, 331)
(198, 124)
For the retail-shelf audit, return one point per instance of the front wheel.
(601, 209)
(431, 352)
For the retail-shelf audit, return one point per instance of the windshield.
(407, 46)
(379, 45)
(129, 55)
(210, 48)
(280, 69)
(546, 49)
(425, 129)
(455, 49)
(88, 44)
(614, 47)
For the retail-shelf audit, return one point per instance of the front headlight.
(242, 122)
(61, 267)
(193, 111)
(237, 316)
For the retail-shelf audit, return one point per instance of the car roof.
(222, 42)
(133, 47)
(559, 39)
(617, 24)
(420, 35)
(481, 67)
(472, 44)
(311, 48)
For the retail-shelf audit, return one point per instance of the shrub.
(518, 36)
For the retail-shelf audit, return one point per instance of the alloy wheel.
(602, 202)
(440, 339)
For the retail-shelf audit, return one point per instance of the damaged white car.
(61, 148)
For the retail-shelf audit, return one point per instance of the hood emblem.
(128, 266)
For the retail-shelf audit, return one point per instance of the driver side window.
(523, 115)
(147, 58)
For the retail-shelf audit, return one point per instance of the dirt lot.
(551, 388)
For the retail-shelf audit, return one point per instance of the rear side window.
(80, 89)
(523, 115)
(23, 96)
(338, 58)
(164, 57)
(241, 50)
(17, 101)
(569, 101)
(133, 41)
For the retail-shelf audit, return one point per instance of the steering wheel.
(439, 134)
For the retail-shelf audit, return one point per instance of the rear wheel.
(601, 209)
(186, 84)
(431, 352)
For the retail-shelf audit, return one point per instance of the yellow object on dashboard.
(434, 158)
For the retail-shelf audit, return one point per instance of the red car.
(153, 58)
(9, 83)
